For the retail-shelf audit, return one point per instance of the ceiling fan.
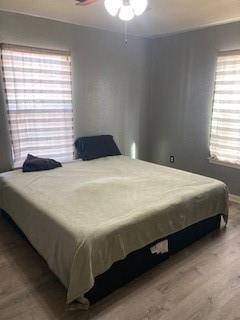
(85, 2)
(125, 9)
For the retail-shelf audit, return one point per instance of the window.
(39, 102)
(225, 130)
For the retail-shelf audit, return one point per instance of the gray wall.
(156, 93)
(182, 79)
(110, 81)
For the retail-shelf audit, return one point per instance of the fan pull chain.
(125, 34)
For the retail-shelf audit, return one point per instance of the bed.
(92, 220)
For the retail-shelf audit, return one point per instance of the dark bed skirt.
(138, 262)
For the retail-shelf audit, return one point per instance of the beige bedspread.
(86, 215)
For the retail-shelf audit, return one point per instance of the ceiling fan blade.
(85, 2)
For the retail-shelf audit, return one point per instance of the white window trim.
(223, 163)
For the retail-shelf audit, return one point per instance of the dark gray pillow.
(33, 163)
(94, 147)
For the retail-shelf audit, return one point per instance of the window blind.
(225, 129)
(39, 102)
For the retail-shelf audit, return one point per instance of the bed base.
(140, 261)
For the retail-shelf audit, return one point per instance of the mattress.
(87, 215)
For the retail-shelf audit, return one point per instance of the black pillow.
(94, 147)
(33, 163)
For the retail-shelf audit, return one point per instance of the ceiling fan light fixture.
(126, 13)
(139, 6)
(126, 9)
(113, 6)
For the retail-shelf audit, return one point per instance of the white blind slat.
(225, 129)
(39, 102)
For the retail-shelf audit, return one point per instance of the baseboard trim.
(234, 198)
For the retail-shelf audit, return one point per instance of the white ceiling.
(162, 17)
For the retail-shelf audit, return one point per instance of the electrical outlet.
(172, 159)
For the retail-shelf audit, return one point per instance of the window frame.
(211, 159)
(37, 50)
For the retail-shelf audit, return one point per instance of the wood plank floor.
(200, 282)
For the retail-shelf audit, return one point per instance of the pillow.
(33, 163)
(94, 147)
